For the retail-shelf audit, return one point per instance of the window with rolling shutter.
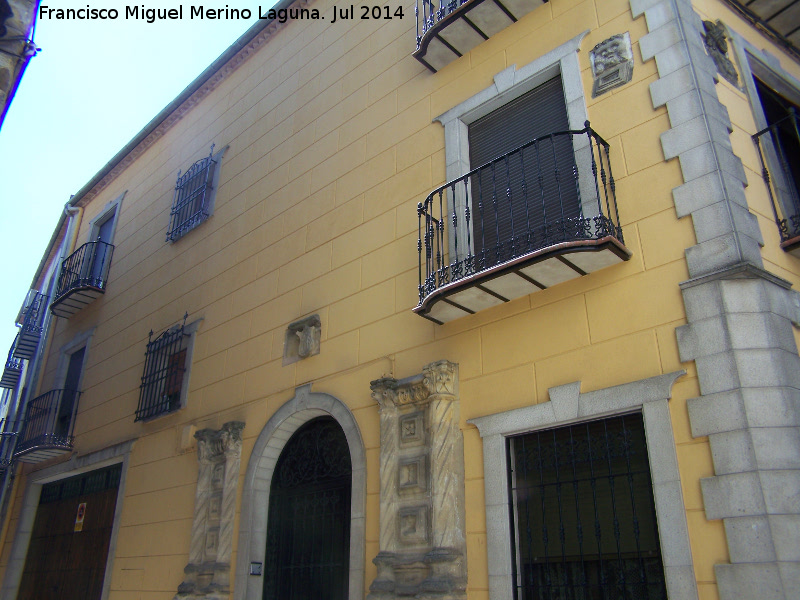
(517, 199)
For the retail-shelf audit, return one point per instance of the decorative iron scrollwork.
(313, 455)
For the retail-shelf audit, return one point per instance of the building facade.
(485, 301)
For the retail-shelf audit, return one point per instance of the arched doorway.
(308, 527)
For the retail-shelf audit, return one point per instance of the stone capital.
(214, 444)
(437, 380)
(441, 378)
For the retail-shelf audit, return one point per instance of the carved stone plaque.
(612, 63)
(412, 475)
(413, 523)
(412, 429)
(717, 48)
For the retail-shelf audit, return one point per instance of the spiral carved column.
(219, 453)
(422, 538)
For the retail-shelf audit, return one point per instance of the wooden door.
(62, 563)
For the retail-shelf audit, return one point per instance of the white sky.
(91, 89)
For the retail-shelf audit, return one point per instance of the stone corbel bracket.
(302, 339)
(422, 537)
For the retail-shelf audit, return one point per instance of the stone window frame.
(509, 84)
(82, 340)
(304, 406)
(77, 465)
(110, 212)
(753, 62)
(568, 406)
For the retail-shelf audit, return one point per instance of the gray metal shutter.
(534, 189)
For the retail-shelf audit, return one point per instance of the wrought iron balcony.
(83, 277)
(31, 326)
(534, 217)
(779, 151)
(7, 438)
(448, 29)
(49, 422)
(13, 368)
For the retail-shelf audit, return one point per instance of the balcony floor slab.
(524, 275)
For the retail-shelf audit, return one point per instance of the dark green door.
(308, 532)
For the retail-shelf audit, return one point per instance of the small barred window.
(164, 370)
(194, 194)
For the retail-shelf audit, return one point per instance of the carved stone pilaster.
(422, 538)
(219, 456)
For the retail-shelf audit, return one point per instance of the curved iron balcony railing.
(534, 217)
(31, 327)
(779, 150)
(83, 277)
(448, 29)
(48, 427)
(13, 368)
(7, 439)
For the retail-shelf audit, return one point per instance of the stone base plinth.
(209, 581)
(432, 575)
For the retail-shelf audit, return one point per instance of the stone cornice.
(740, 271)
(197, 91)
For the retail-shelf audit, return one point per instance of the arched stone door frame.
(305, 405)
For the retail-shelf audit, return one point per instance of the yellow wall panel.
(520, 340)
(361, 308)
(651, 298)
(621, 359)
(496, 392)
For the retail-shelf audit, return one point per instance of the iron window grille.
(583, 514)
(191, 204)
(164, 369)
(82, 485)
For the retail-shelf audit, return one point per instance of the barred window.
(193, 201)
(583, 513)
(165, 368)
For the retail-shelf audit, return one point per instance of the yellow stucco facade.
(331, 141)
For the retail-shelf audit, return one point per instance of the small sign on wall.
(79, 518)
